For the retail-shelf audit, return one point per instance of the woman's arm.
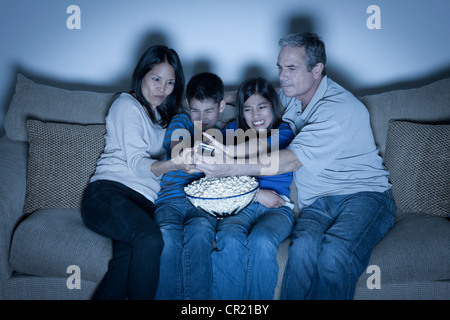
(158, 168)
(182, 159)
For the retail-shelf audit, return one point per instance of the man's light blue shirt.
(335, 144)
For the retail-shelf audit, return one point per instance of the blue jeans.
(176, 281)
(332, 243)
(198, 244)
(244, 264)
(118, 212)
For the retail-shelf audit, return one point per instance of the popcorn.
(222, 196)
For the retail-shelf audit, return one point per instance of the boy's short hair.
(205, 86)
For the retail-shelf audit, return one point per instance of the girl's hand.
(269, 198)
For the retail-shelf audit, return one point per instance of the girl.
(119, 200)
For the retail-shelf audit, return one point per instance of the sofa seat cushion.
(47, 242)
(416, 249)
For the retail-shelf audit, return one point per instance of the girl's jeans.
(332, 243)
(244, 264)
(118, 212)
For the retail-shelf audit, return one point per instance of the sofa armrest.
(13, 173)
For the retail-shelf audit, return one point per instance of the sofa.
(54, 136)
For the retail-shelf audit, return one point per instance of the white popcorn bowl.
(224, 206)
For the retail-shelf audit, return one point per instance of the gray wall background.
(233, 38)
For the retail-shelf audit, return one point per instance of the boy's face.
(206, 111)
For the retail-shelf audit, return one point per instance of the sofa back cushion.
(62, 158)
(418, 159)
(47, 103)
(430, 103)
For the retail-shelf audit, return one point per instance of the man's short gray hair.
(314, 48)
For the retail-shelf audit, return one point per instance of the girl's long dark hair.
(265, 89)
(151, 57)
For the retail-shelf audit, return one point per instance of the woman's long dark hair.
(265, 89)
(151, 57)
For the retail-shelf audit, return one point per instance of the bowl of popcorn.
(224, 196)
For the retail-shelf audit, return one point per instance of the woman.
(119, 200)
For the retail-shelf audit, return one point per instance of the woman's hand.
(185, 161)
(269, 198)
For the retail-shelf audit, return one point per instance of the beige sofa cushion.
(62, 158)
(418, 159)
(429, 103)
(37, 101)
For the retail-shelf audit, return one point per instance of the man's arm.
(275, 163)
(230, 97)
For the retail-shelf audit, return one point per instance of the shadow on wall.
(407, 84)
(303, 23)
(190, 68)
(294, 25)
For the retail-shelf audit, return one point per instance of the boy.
(204, 95)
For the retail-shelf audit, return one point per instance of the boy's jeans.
(332, 243)
(188, 234)
(169, 215)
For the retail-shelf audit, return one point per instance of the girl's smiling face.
(257, 111)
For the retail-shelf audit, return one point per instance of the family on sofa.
(164, 248)
(54, 138)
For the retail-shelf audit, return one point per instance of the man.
(343, 189)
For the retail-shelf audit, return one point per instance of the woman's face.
(158, 83)
(258, 113)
